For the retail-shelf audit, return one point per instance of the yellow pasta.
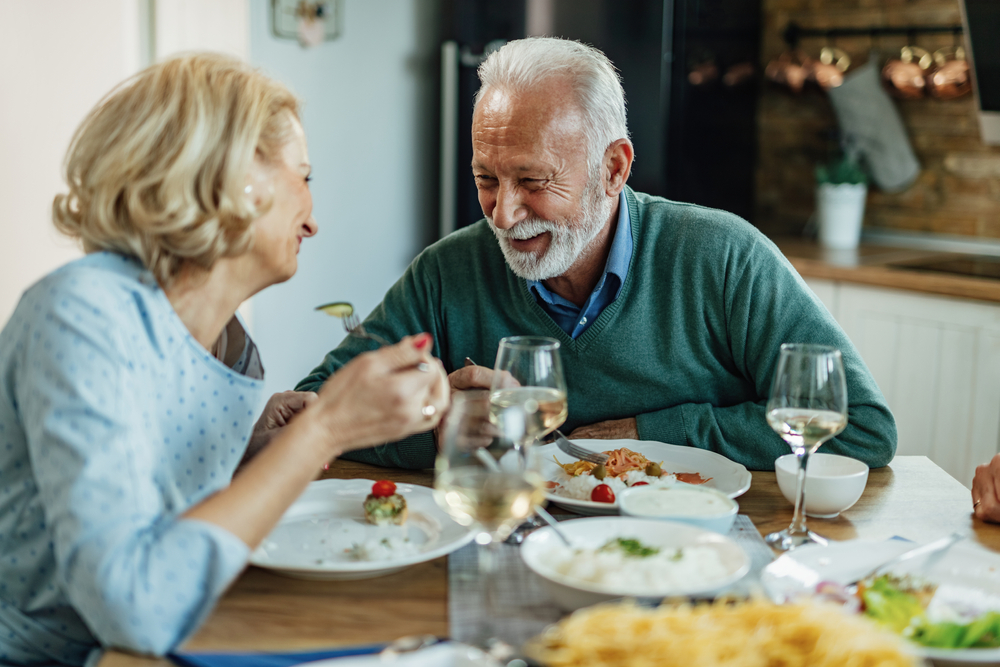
(748, 634)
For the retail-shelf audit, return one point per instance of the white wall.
(370, 115)
(59, 58)
(201, 25)
(370, 119)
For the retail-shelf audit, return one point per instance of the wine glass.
(484, 482)
(807, 407)
(528, 374)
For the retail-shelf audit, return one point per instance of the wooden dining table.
(911, 498)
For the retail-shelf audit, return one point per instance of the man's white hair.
(523, 64)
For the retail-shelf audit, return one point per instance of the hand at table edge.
(986, 491)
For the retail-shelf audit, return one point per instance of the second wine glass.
(528, 375)
(485, 484)
(807, 407)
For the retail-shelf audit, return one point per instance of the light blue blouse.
(113, 422)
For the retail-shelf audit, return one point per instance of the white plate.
(570, 593)
(447, 654)
(313, 538)
(966, 564)
(727, 476)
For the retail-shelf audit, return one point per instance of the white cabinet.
(937, 360)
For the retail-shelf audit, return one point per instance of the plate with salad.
(948, 606)
(585, 488)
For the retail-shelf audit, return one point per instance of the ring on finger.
(976, 504)
(428, 411)
(424, 367)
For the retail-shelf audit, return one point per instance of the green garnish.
(630, 547)
(339, 309)
(886, 602)
(896, 603)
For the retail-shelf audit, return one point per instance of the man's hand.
(613, 429)
(470, 376)
(985, 490)
(278, 412)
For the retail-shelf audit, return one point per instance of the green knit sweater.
(688, 348)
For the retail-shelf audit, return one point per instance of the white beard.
(569, 241)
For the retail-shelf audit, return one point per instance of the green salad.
(900, 604)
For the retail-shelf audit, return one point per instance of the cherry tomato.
(641, 484)
(383, 488)
(602, 493)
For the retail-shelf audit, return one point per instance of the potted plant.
(841, 190)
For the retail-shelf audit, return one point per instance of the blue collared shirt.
(575, 320)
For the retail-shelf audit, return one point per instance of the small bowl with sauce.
(698, 506)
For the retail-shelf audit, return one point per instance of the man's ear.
(617, 166)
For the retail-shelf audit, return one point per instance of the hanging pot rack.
(793, 33)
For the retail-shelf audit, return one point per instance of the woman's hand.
(383, 395)
(986, 491)
(377, 397)
(278, 412)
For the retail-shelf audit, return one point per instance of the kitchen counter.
(877, 266)
(930, 339)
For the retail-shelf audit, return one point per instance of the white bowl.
(543, 546)
(695, 505)
(833, 483)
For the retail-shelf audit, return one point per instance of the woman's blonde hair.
(159, 168)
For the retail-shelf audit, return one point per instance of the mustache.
(525, 229)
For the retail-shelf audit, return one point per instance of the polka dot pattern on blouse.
(113, 422)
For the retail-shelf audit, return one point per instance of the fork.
(352, 323)
(937, 548)
(578, 452)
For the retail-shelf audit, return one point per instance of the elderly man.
(670, 315)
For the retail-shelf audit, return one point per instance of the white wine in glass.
(528, 375)
(528, 382)
(544, 408)
(483, 481)
(807, 407)
(495, 502)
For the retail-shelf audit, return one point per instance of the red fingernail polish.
(422, 341)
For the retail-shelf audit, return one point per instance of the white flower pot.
(840, 209)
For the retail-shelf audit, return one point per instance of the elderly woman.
(129, 387)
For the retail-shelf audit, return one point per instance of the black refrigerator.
(690, 73)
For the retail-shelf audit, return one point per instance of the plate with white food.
(613, 557)
(444, 654)
(581, 487)
(947, 605)
(359, 529)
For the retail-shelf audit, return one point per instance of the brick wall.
(958, 190)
